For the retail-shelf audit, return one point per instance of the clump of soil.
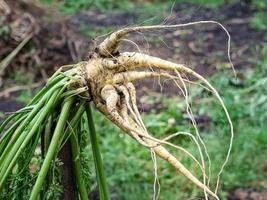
(247, 194)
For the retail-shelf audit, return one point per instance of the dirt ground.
(57, 40)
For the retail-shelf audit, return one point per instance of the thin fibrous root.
(193, 121)
(166, 155)
(159, 150)
(132, 93)
(110, 95)
(132, 76)
(132, 60)
(124, 91)
(109, 47)
(128, 90)
(135, 112)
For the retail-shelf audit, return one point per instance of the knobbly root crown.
(109, 75)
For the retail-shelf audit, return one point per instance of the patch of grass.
(259, 21)
(24, 96)
(4, 30)
(2, 115)
(260, 5)
(209, 3)
(22, 78)
(93, 31)
(73, 6)
(144, 10)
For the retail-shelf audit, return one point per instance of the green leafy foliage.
(259, 21)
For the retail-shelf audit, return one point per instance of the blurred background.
(38, 36)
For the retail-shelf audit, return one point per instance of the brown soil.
(247, 194)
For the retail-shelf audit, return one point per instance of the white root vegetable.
(109, 75)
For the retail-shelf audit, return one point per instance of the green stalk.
(8, 134)
(17, 134)
(22, 141)
(47, 137)
(56, 82)
(77, 168)
(75, 150)
(52, 148)
(19, 130)
(3, 125)
(100, 173)
(47, 134)
(17, 115)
